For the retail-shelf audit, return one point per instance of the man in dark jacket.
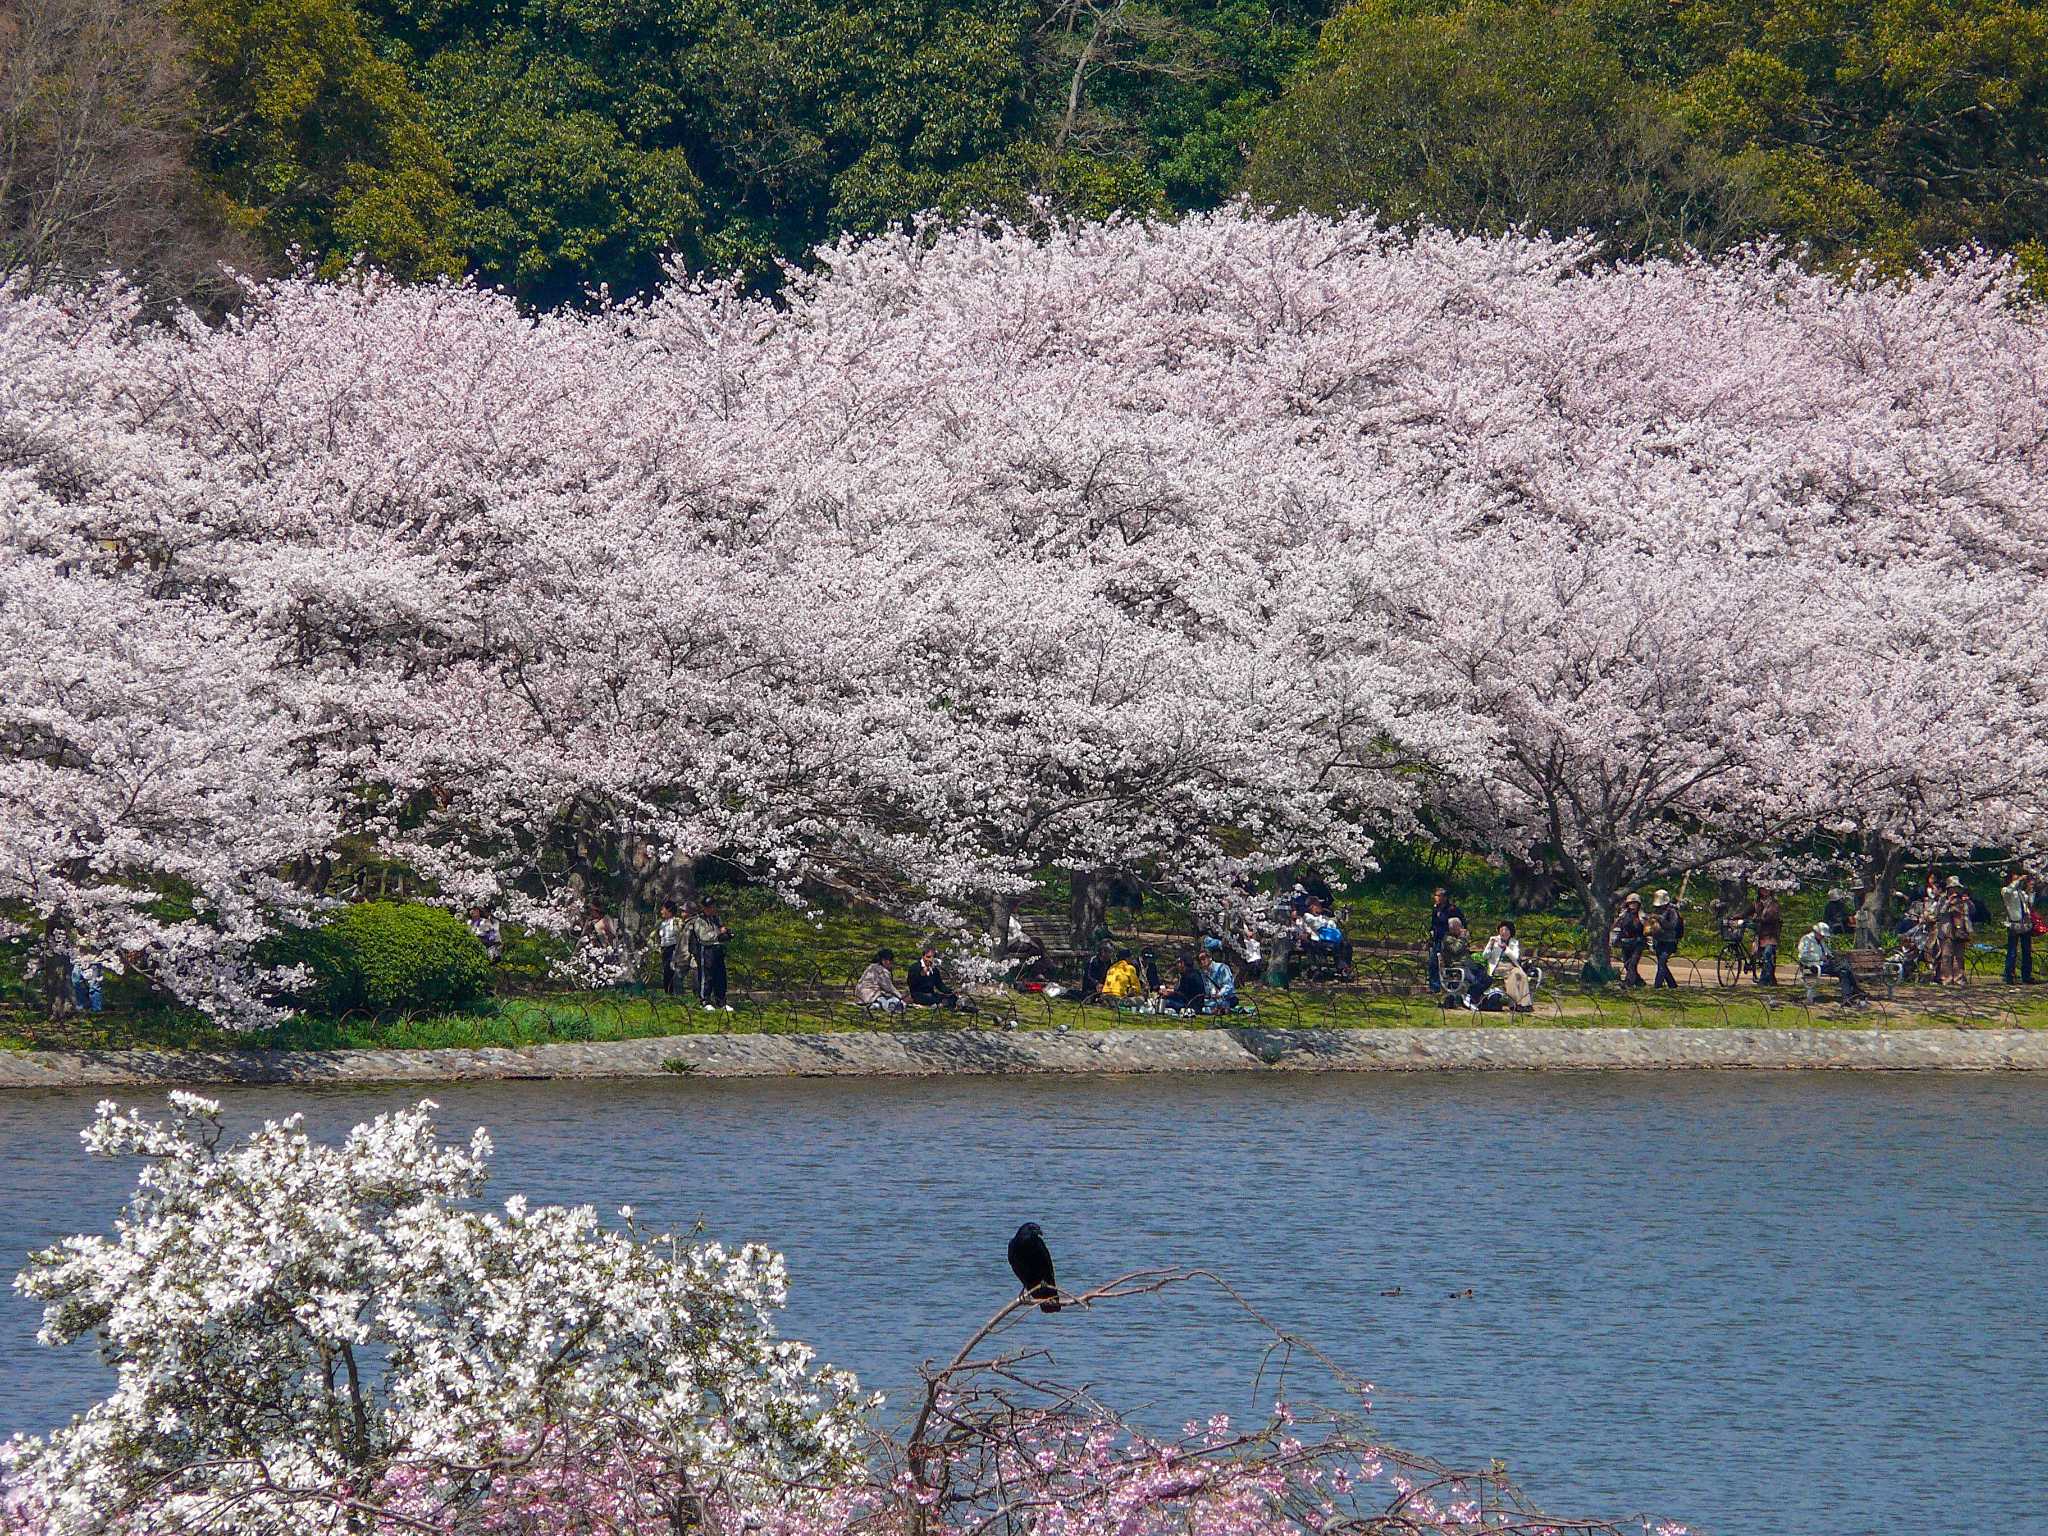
(1664, 939)
(1630, 934)
(1769, 923)
(1442, 910)
(928, 987)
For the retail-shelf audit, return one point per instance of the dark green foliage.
(387, 957)
(1854, 129)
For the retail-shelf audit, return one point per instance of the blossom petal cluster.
(1197, 547)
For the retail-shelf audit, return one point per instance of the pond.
(1760, 1303)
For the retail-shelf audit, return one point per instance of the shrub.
(387, 956)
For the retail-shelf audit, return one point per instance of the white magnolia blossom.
(302, 1330)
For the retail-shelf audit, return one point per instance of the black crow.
(1032, 1262)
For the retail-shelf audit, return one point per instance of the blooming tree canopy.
(1184, 549)
(305, 1332)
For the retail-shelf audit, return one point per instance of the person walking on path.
(1442, 910)
(1628, 938)
(1664, 939)
(2018, 896)
(1769, 924)
(671, 935)
(709, 937)
(1951, 933)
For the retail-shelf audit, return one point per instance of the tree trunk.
(1089, 908)
(53, 970)
(999, 910)
(1532, 884)
(1880, 866)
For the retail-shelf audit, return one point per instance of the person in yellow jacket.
(1122, 984)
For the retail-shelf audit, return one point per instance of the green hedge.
(387, 957)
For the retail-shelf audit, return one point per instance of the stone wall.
(938, 1052)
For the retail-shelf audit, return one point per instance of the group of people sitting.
(876, 987)
(1203, 982)
(1493, 980)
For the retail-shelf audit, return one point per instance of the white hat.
(1822, 929)
(1661, 899)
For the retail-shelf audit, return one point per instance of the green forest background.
(556, 147)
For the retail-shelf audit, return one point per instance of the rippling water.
(1787, 1305)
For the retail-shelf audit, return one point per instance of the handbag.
(2040, 925)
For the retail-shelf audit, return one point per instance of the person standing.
(488, 934)
(2018, 896)
(671, 938)
(1769, 924)
(1664, 939)
(709, 937)
(1442, 910)
(1951, 933)
(1630, 934)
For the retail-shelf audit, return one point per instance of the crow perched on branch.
(1032, 1262)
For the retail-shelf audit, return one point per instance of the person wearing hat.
(1664, 937)
(1952, 932)
(1629, 935)
(1816, 955)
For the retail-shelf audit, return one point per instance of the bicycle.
(1737, 958)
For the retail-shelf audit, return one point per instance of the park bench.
(1873, 975)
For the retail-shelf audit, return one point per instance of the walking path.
(943, 1052)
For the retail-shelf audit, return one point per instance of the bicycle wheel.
(1728, 966)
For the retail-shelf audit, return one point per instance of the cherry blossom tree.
(1181, 550)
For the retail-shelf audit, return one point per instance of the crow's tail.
(1049, 1299)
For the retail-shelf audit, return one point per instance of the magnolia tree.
(306, 1335)
(314, 1339)
(1180, 550)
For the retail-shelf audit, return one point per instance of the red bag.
(2040, 925)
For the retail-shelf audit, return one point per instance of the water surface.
(1770, 1304)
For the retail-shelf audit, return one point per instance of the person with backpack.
(2017, 894)
(708, 937)
(1629, 935)
(1665, 937)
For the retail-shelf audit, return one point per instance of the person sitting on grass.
(928, 987)
(1190, 991)
(1096, 971)
(1121, 984)
(1504, 967)
(876, 988)
(1816, 955)
(1219, 983)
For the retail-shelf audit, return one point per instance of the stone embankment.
(945, 1052)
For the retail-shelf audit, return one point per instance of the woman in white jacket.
(1504, 964)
